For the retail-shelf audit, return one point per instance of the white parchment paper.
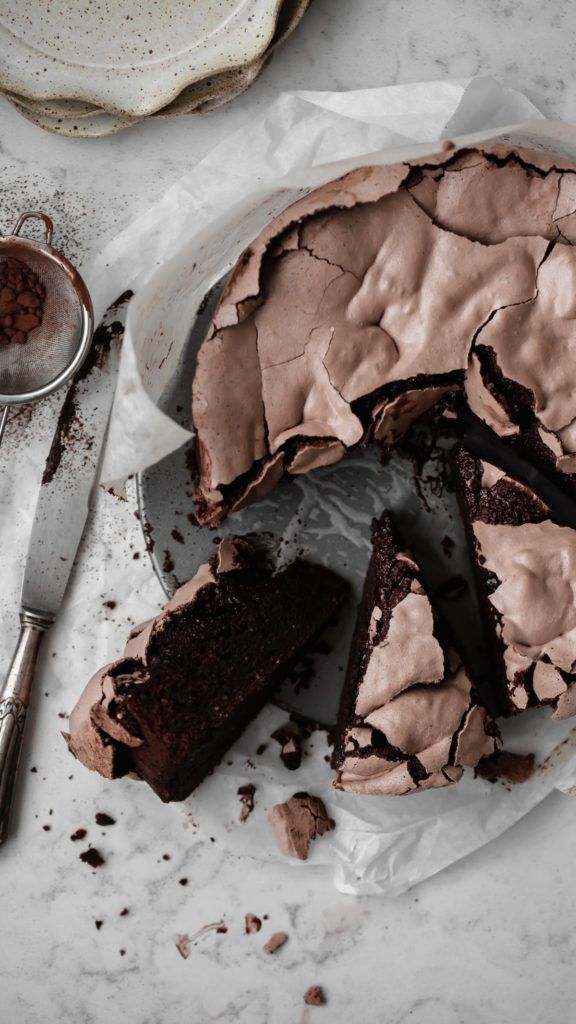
(170, 257)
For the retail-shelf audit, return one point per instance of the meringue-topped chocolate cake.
(410, 718)
(372, 297)
(192, 678)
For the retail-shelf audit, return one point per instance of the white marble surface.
(491, 939)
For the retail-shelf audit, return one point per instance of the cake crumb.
(290, 738)
(80, 833)
(314, 996)
(103, 819)
(182, 881)
(93, 857)
(275, 942)
(124, 912)
(252, 924)
(109, 604)
(98, 924)
(246, 794)
(503, 764)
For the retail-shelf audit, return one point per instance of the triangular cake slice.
(410, 718)
(192, 678)
(526, 581)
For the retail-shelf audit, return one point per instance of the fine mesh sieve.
(57, 347)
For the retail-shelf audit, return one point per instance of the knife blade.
(66, 494)
(70, 473)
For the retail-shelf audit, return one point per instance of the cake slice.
(191, 679)
(526, 580)
(410, 718)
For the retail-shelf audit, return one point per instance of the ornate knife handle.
(14, 700)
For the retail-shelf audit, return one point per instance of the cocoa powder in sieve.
(21, 301)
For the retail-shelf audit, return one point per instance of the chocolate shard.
(297, 822)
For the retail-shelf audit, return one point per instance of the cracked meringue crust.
(192, 678)
(410, 718)
(525, 567)
(375, 295)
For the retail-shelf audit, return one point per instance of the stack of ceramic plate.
(91, 69)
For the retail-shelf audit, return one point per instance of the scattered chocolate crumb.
(182, 881)
(98, 924)
(290, 738)
(260, 750)
(448, 545)
(298, 821)
(177, 535)
(61, 714)
(124, 912)
(275, 942)
(252, 924)
(93, 857)
(80, 833)
(46, 827)
(453, 588)
(168, 563)
(183, 946)
(104, 819)
(109, 604)
(33, 769)
(166, 856)
(503, 764)
(314, 996)
(136, 556)
(246, 794)
(265, 917)
(122, 952)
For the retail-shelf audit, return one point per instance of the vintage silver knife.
(66, 493)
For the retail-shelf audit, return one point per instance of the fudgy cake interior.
(525, 567)
(192, 679)
(409, 716)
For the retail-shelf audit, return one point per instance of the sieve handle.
(35, 215)
(14, 701)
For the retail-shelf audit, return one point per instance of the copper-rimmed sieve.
(56, 348)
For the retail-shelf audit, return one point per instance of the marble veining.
(489, 940)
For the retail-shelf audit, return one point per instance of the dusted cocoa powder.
(21, 301)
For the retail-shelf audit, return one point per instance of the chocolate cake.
(526, 579)
(191, 679)
(374, 296)
(410, 718)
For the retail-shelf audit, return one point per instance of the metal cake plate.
(325, 516)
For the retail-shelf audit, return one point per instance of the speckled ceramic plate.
(85, 121)
(134, 58)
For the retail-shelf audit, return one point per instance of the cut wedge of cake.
(192, 678)
(526, 580)
(410, 718)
